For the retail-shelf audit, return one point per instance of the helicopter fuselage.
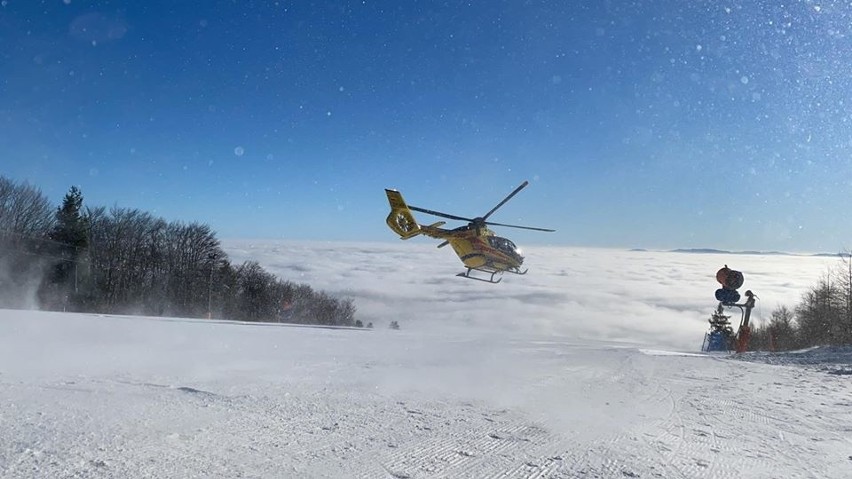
(480, 250)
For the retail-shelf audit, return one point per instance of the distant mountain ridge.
(766, 253)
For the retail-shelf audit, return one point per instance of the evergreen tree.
(70, 236)
(70, 226)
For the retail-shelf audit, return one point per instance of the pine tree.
(70, 236)
(70, 226)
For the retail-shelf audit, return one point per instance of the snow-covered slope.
(117, 397)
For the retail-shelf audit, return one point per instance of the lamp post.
(212, 257)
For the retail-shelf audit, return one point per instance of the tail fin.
(400, 219)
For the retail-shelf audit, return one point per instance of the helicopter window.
(502, 244)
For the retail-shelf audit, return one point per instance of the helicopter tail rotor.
(400, 219)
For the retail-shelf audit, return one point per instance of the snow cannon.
(721, 335)
(727, 296)
(730, 280)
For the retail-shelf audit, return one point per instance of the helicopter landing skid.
(467, 275)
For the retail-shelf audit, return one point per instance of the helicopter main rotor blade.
(523, 185)
(521, 227)
(438, 213)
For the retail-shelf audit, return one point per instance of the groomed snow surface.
(586, 367)
(110, 396)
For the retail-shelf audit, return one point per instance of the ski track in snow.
(189, 399)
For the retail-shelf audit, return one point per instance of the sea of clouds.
(642, 297)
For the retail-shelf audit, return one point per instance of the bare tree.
(24, 210)
(782, 329)
(26, 217)
(820, 314)
(255, 287)
(844, 280)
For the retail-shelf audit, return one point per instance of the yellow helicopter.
(476, 245)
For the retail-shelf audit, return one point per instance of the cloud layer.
(650, 298)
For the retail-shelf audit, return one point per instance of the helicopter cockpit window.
(502, 244)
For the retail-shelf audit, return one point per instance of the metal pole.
(210, 294)
(211, 257)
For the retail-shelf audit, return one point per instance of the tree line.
(123, 260)
(823, 316)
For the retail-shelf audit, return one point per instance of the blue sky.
(656, 124)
